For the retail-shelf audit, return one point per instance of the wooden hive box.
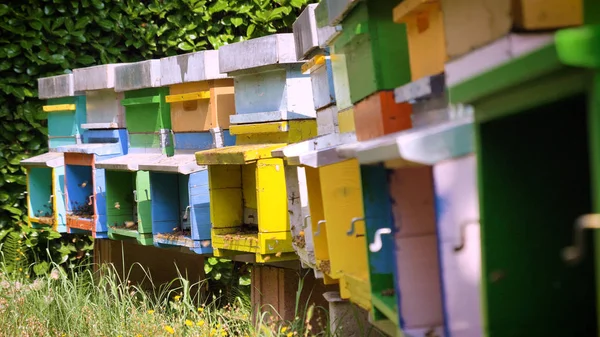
(103, 104)
(66, 110)
(180, 193)
(147, 113)
(375, 49)
(410, 285)
(85, 184)
(269, 84)
(200, 96)
(525, 98)
(46, 191)
(489, 21)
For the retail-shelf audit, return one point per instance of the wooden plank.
(190, 96)
(239, 154)
(271, 127)
(226, 207)
(548, 14)
(59, 107)
(346, 120)
(379, 115)
(271, 196)
(222, 104)
(79, 159)
(193, 115)
(144, 202)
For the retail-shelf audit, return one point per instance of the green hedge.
(46, 37)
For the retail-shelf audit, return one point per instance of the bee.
(205, 243)
(83, 184)
(129, 224)
(267, 258)
(301, 233)
(117, 205)
(278, 254)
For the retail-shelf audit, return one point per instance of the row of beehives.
(354, 161)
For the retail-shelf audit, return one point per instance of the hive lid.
(421, 88)
(238, 155)
(56, 86)
(305, 32)
(49, 159)
(95, 78)
(179, 163)
(191, 67)
(425, 145)
(129, 162)
(100, 149)
(263, 51)
(139, 75)
(316, 152)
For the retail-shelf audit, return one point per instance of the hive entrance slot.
(172, 210)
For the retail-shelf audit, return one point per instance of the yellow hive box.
(249, 199)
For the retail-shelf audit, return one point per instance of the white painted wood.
(258, 52)
(293, 182)
(457, 205)
(317, 143)
(323, 91)
(95, 78)
(50, 159)
(56, 86)
(425, 145)
(179, 163)
(493, 55)
(104, 110)
(305, 32)
(191, 67)
(139, 75)
(327, 121)
(128, 162)
(340, 80)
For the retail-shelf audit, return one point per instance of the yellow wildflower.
(188, 322)
(201, 310)
(169, 329)
(177, 297)
(20, 269)
(290, 334)
(213, 332)
(150, 312)
(218, 326)
(139, 335)
(200, 323)
(284, 329)
(223, 333)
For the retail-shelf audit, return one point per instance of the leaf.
(4, 9)
(35, 24)
(237, 21)
(185, 46)
(41, 268)
(212, 261)
(86, 59)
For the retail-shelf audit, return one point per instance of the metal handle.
(186, 213)
(462, 228)
(318, 231)
(90, 200)
(573, 254)
(305, 224)
(51, 197)
(135, 196)
(377, 244)
(350, 232)
(147, 196)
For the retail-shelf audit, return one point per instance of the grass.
(81, 302)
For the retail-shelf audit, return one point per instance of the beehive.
(409, 293)
(146, 112)
(66, 110)
(85, 184)
(489, 21)
(524, 97)
(268, 116)
(103, 104)
(46, 191)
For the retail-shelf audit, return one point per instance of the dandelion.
(177, 297)
(139, 335)
(200, 310)
(290, 334)
(189, 323)
(223, 333)
(150, 312)
(284, 329)
(213, 332)
(218, 326)
(169, 329)
(200, 323)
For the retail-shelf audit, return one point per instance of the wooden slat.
(239, 154)
(273, 127)
(192, 96)
(59, 107)
(141, 100)
(313, 64)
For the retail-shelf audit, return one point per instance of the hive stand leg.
(347, 319)
(276, 288)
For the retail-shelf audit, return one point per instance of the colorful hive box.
(375, 49)
(45, 173)
(46, 191)
(66, 110)
(490, 21)
(201, 101)
(249, 198)
(403, 256)
(103, 104)
(548, 78)
(146, 110)
(85, 184)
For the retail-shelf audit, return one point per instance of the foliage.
(102, 304)
(227, 278)
(46, 37)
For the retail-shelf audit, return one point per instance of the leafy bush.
(46, 37)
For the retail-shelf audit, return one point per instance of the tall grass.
(81, 302)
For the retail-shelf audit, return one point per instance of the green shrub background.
(48, 37)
